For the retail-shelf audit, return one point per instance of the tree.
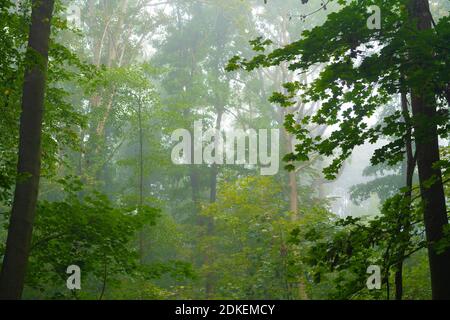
(364, 70)
(29, 164)
(424, 108)
(250, 255)
(91, 233)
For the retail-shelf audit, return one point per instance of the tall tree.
(424, 109)
(357, 79)
(29, 164)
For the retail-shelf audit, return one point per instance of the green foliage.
(111, 107)
(89, 233)
(61, 119)
(363, 70)
(248, 255)
(340, 251)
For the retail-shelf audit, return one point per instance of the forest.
(224, 149)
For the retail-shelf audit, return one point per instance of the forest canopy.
(224, 150)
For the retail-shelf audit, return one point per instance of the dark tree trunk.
(433, 197)
(194, 177)
(399, 281)
(29, 163)
(427, 145)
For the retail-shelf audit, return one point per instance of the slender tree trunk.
(214, 168)
(427, 145)
(194, 176)
(409, 175)
(399, 281)
(209, 286)
(293, 186)
(141, 178)
(29, 163)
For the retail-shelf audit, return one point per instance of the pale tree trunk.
(29, 163)
(285, 77)
(109, 48)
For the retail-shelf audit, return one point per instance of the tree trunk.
(209, 285)
(405, 223)
(427, 144)
(399, 281)
(293, 186)
(141, 180)
(29, 163)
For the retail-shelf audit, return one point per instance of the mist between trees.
(239, 149)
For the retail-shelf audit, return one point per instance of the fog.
(292, 187)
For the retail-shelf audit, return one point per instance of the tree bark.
(29, 163)
(427, 145)
(293, 185)
(209, 283)
(141, 179)
(405, 223)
